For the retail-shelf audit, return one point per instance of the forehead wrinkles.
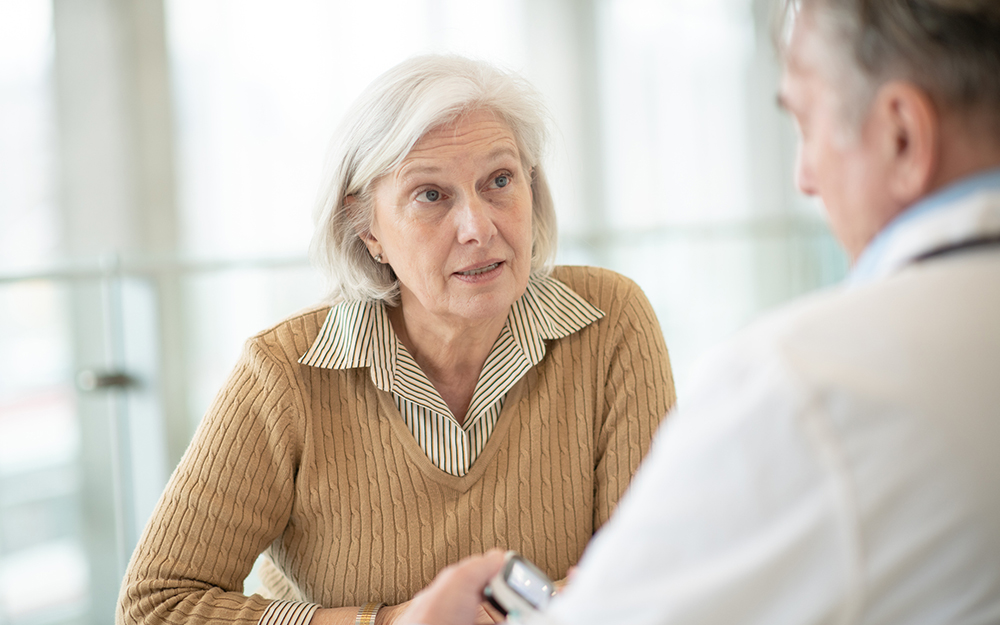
(453, 138)
(458, 143)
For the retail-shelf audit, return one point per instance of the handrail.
(91, 269)
(130, 265)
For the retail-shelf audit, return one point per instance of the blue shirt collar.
(873, 257)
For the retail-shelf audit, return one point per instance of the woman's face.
(454, 222)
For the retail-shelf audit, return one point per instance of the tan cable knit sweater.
(317, 467)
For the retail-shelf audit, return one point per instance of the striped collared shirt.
(358, 334)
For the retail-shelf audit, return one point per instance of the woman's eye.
(501, 181)
(430, 195)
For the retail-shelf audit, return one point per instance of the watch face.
(533, 585)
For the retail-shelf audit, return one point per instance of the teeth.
(476, 272)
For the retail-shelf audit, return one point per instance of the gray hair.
(949, 48)
(380, 129)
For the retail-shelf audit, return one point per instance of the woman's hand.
(393, 614)
(455, 597)
(390, 614)
(488, 615)
(561, 584)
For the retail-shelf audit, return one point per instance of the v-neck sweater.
(317, 468)
(359, 334)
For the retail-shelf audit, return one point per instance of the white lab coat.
(837, 462)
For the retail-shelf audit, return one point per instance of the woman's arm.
(638, 392)
(481, 614)
(229, 498)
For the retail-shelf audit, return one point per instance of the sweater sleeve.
(229, 498)
(638, 392)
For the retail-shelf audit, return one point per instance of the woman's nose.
(475, 220)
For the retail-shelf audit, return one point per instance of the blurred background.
(158, 163)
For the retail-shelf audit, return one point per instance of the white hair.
(949, 48)
(381, 128)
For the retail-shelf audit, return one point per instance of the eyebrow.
(407, 173)
(498, 152)
(502, 151)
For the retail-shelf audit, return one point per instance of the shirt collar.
(358, 334)
(961, 212)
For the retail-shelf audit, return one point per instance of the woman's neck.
(451, 355)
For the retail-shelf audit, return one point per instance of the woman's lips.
(471, 273)
(476, 272)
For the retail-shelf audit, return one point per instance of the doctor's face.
(839, 159)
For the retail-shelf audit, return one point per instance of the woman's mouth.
(480, 270)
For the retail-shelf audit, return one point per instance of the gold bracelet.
(367, 614)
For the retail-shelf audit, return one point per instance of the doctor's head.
(893, 99)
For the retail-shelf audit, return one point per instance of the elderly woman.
(460, 394)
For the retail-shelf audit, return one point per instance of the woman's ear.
(365, 234)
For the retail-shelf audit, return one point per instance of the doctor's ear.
(913, 125)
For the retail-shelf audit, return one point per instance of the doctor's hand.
(455, 596)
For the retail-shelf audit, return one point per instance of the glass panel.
(28, 227)
(44, 569)
(675, 93)
(227, 307)
(80, 472)
(705, 284)
(700, 199)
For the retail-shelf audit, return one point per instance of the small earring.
(378, 258)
